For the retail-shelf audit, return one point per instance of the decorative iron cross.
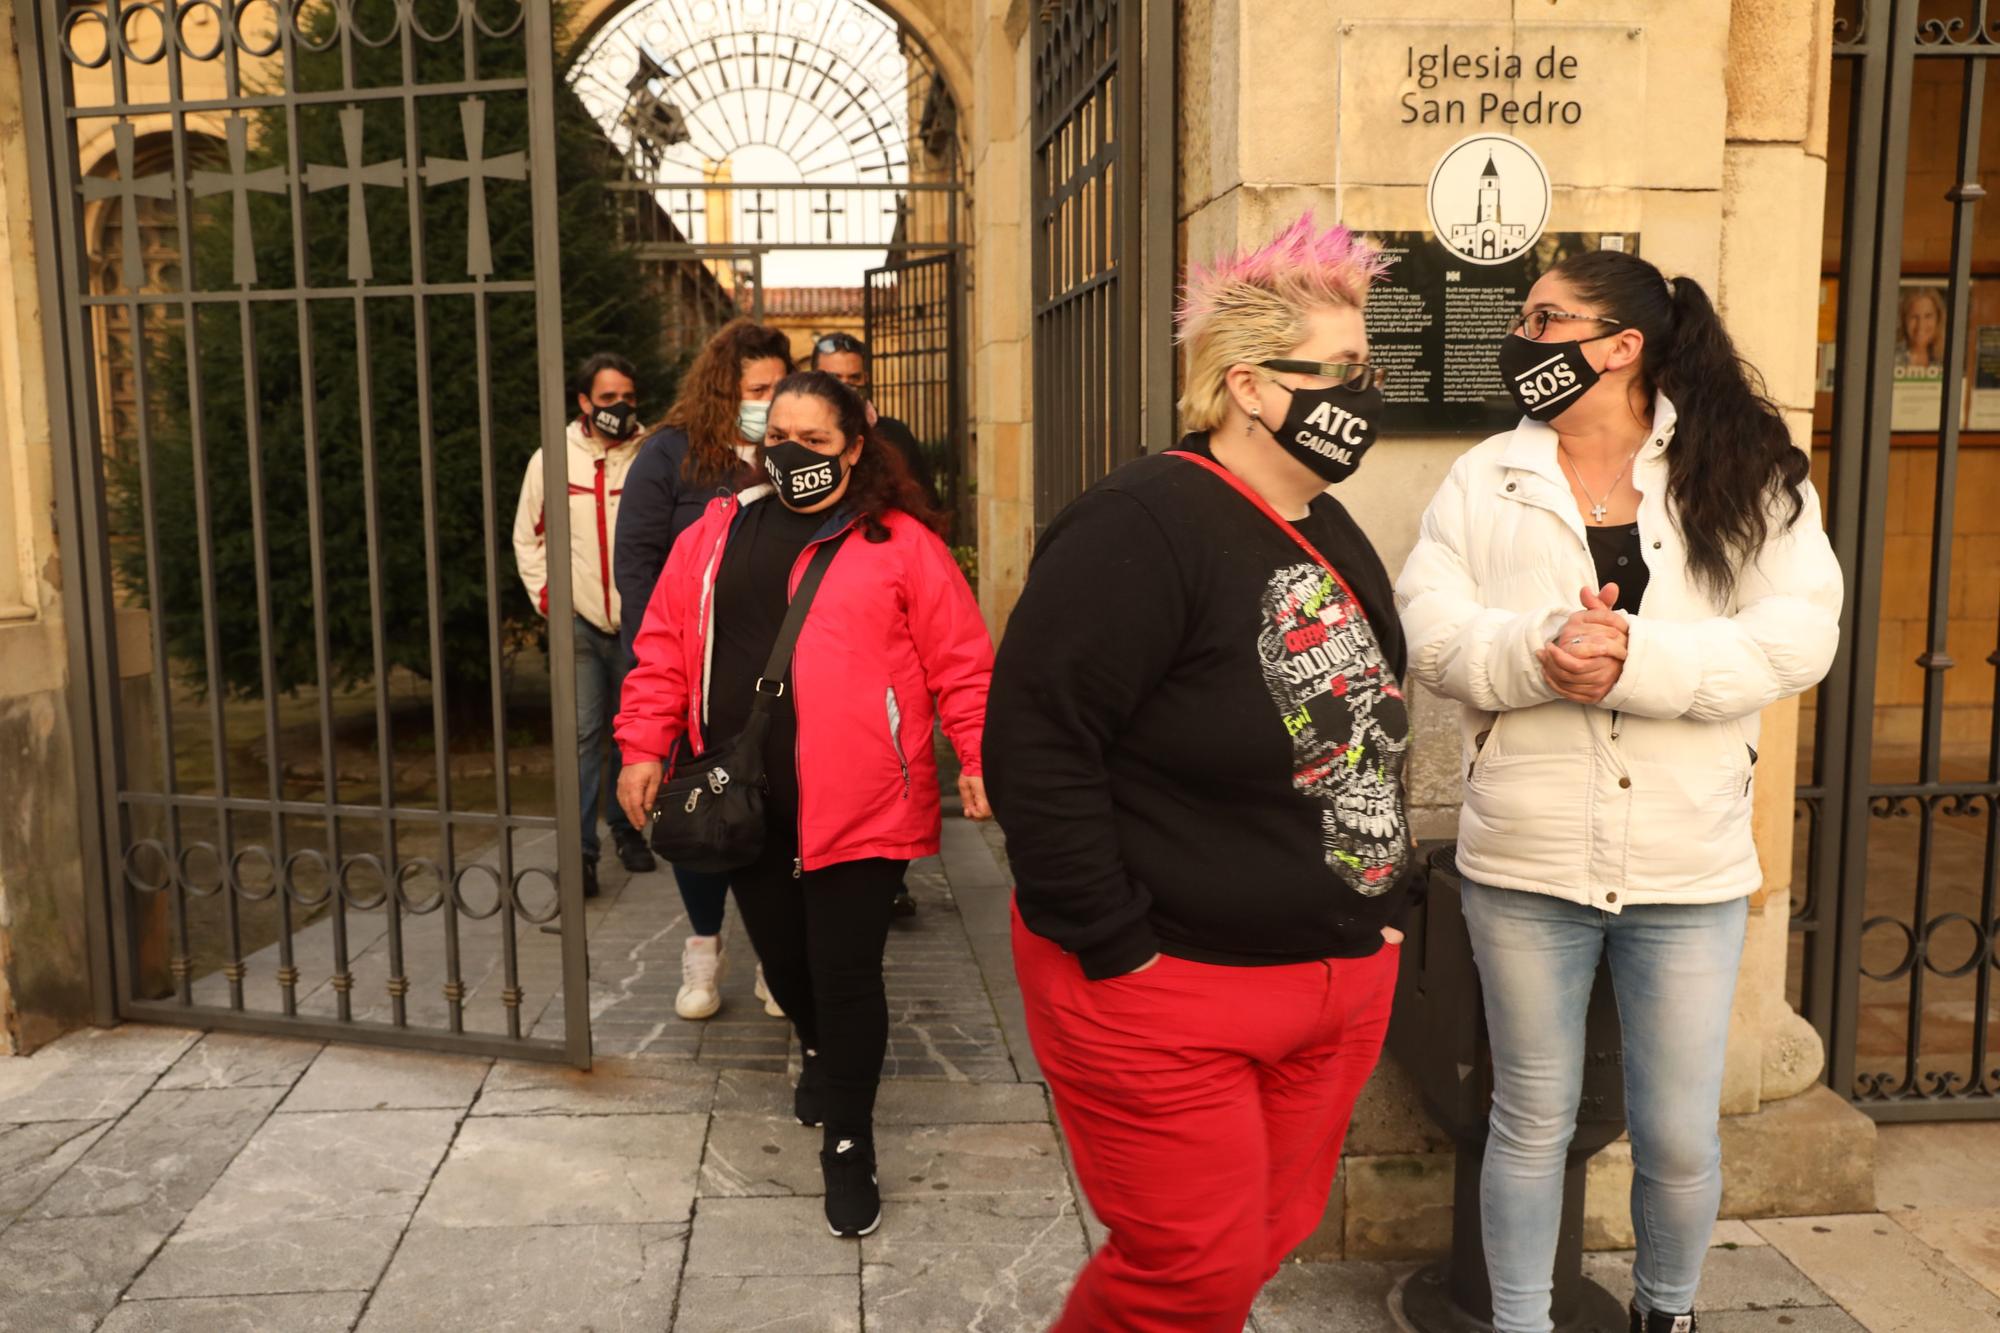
(476, 169)
(128, 191)
(830, 213)
(687, 213)
(239, 182)
(758, 212)
(898, 211)
(356, 176)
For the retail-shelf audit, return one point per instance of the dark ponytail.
(1732, 458)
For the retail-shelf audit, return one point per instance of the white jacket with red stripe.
(596, 480)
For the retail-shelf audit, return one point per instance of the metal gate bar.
(181, 867)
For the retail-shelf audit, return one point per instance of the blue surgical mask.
(752, 419)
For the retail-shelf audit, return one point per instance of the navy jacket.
(657, 507)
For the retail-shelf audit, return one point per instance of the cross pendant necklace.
(1598, 505)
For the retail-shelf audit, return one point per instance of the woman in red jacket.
(853, 781)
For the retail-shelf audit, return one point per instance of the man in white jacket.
(602, 442)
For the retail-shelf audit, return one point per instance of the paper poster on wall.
(1986, 379)
(1920, 373)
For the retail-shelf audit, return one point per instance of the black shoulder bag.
(709, 815)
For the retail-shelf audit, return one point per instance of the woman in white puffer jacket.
(1612, 591)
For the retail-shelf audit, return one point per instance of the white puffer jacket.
(1646, 797)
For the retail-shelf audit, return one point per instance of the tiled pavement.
(157, 1179)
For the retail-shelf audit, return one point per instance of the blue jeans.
(1674, 970)
(600, 679)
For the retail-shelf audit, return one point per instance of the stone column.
(44, 962)
(1002, 149)
(1774, 188)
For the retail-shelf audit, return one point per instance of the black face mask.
(614, 421)
(1329, 429)
(1545, 378)
(803, 477)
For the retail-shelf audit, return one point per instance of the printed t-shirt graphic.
(1347, 719)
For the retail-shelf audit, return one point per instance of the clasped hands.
(1586, 657)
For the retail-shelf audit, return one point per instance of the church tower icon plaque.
(1489, 198)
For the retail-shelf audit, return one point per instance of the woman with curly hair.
(1196, 749)
(892, 638)
(707, 448)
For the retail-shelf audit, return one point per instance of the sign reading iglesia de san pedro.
(1488, 120)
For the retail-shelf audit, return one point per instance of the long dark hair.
(1732, 457)
(881, 480)
(705, 406)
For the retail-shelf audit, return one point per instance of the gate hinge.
(1966, 192)
(1936, 662)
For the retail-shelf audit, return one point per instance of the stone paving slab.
(524, 1089)
(502, 1279)
(1813, 1319)
(1880, 1274)
(34, 1156)
(315, 1202)
(66, 1273)
(956, 1263)
(1020, 1163)
(90, 1074)
(361, 1078)
(319, 1312)
(767, 1238)
(769, 1305)
(567, 1170)
(760, 1157)
(241, 1060)
(1751, 1278)
(163, 1157)
(1315, 1298)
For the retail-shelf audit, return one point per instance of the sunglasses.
(839, 342)
(1347, 374)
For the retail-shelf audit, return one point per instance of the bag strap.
(795, 619)
(1242, 488)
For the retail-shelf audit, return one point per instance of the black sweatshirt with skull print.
(1196, 738)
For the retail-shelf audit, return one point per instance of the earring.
(1256, 413)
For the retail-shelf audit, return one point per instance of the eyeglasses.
(839, 342)
(1536, 322)
(1347, 374)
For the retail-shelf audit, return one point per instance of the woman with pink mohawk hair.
(1195, 741)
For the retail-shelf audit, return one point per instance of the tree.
(605, 303)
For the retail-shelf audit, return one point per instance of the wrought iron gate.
(1102, 194)
(1898, 953)
(248, 879)
(911, 322)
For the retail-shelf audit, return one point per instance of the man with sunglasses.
(847, 359)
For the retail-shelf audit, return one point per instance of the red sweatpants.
(1205, 1107)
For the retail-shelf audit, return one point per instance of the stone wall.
(44, 958)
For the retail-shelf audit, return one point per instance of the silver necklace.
(1598, 506)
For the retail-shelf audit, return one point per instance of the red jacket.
(894, 627)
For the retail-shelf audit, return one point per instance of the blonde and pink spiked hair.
(1252, 306)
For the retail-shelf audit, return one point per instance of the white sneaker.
(764, 993)
(702, 966)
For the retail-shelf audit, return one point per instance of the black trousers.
(820, 938)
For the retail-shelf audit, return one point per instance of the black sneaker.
(633, 853)
(806, 1096)
(590, 878)
(853, 1200)
(904, 905)
(1655, 1322)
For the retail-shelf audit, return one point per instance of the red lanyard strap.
(1243, 489)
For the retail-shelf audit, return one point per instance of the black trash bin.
(1438, 1034)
